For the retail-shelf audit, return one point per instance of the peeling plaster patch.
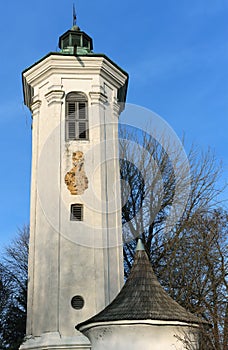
(76, 179)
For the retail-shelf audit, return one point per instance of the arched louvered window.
(76, 116)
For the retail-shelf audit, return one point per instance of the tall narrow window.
(77, 116)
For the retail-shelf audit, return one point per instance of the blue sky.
(176, 53)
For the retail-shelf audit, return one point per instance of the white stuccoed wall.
(62, 259)
(147, 335)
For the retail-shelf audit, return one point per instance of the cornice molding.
(64, 65)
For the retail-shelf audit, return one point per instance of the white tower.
(75, 257)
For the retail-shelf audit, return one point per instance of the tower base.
(54, 341)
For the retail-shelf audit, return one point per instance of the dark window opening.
(76, 212)
(76, 41)
(77, 302)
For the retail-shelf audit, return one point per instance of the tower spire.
(74, 16)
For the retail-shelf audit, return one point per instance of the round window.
(77, 302)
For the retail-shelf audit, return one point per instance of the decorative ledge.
(54, 96)
(35, 107)
(116, 107)
(98, 97)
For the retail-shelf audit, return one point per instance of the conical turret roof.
(142, 298)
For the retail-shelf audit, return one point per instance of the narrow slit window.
(76, 212)
(77, 117)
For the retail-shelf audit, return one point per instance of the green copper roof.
(75, 42)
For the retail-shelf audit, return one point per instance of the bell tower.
(75, 256)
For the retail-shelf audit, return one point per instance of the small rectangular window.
(76, 212)
(65, 42)
(85, 42)
(76, 40)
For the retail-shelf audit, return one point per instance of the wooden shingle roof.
(142, 298)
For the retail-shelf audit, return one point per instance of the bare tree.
(196, 273)
(188, 256)
(13, 291)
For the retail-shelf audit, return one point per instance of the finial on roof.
(140, 245)
(74, 16)
(75, 27)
